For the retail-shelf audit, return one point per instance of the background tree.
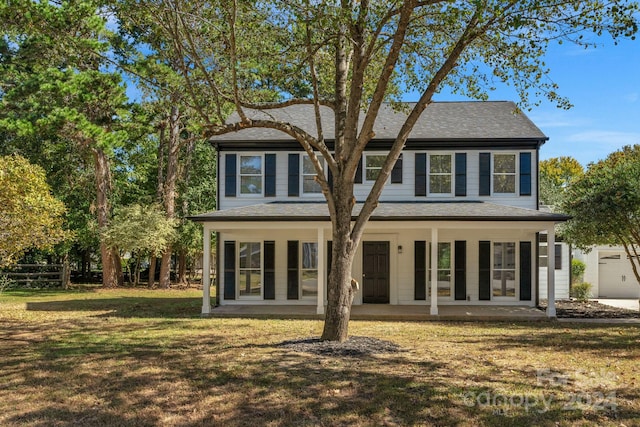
(605, 205)
(30, 217)
(556, 174)
(352, 56)
(141, 231)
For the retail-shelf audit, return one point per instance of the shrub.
(577, 270)
(581, 291)
(5, 282)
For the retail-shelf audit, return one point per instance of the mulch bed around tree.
(353, 347)
(573, 309)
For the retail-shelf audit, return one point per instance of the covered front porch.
(388, 312)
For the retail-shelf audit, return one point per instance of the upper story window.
(440, 173)
(251, 174)
(309, 184)
(373, 165)
(504, 173)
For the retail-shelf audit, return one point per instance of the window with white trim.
(504, 173)
(444, 269)
(251, 170)
(504, 269)
(249, 269)
(309, 183)
(373, 165)
(440, 173)
(309, 270)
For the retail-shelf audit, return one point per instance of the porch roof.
(386, 211)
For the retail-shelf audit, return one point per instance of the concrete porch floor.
(387, 312)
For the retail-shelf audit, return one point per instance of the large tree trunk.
(340, 287)
(111, 267)
(170, 190)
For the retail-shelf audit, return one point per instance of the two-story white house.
(457, 223)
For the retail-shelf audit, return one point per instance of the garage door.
(616, 278)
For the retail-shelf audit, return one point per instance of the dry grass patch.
(131, 357)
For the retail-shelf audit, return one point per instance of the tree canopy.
(352, 56)
(30, 217)
(605, 205)
(556, 174)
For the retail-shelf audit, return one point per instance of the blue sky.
(603, 84)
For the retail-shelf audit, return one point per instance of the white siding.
(562, 279)
(391, 192)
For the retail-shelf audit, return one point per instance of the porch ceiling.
(386, 211)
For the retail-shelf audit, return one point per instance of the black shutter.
(484, 258)
(461, 270)
(558, 255)
(461, 174)
(396, 172)
(230, 175)
(270, 175)
(269, 270)
(358, 177)
(294, 175)
(525, 174)
(420, 270)
(421, 174)
(485, 174)
(292, 269)
(229, 270)
(330, 179)
(525, 271)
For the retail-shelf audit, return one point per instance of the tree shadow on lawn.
(566, 337)
(126, 307)
(219, 379)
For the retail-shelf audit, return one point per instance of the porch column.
(206, 272)
(321, 272)
(551, 272)
(434, 271)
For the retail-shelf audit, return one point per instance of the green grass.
(136, 357)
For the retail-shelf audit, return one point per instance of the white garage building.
(610, 273)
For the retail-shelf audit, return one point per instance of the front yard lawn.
(144, 357)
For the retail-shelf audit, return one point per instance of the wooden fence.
(39, 275)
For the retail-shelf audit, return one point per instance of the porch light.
(400, 249)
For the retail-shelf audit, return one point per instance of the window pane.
(497, 255)
(255, 254)
(307, 165)
(510, 255)
(309, 283)
(309, 185)
(251, 165)
(504, 183)
(375, 161)
(250, 283)
(373, 166)
(444, 283)
(251, 184)
(444, 256)
(243, 255)
(440, 163)
(440, 184)
(309, 255)
(504, 163)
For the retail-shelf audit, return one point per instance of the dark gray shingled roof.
(389, 211)
(440, 121)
